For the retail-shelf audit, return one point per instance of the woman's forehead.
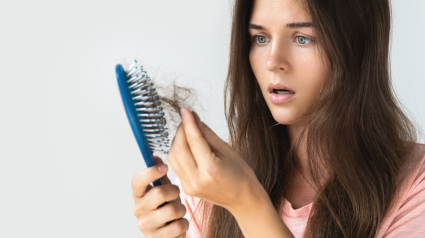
(278, 11)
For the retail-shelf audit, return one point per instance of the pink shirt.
(406, 219)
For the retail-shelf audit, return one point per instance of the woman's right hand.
(151, 219)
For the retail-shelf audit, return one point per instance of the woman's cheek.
(257, 61)
(256, 58)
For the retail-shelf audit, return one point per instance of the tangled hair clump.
(175, 97)
(175, 92)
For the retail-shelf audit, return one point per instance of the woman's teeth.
(282, 91)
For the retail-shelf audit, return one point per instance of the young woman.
(320, 146)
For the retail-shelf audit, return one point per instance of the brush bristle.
(146, 102)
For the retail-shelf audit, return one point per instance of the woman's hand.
(209, 168)
(151, 219)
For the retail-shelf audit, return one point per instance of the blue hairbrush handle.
(134, 119)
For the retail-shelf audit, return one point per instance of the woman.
(320, 145)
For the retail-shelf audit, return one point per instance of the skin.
(287, 57)
(202, 160)
(291, 57)
(147, 199)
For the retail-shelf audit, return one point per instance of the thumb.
(212, 139)
(194, 137)
(164, 179)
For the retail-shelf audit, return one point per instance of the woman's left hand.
(209, 168)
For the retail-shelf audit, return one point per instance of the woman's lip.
(281, 98)
(271, 87)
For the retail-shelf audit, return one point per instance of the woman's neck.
(302, 189)
(294, 132)
(301, 156)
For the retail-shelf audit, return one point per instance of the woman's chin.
(286, 118)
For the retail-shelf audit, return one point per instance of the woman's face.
(284, 55)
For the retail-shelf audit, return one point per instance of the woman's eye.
(261, 39)
(303, 40)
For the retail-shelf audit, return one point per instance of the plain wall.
(67, 151)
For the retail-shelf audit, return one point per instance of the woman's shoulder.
(413, 172)
(407, 212)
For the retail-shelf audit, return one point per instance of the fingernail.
(183, 112)
(162, 168)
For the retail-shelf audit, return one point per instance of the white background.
(67, 153)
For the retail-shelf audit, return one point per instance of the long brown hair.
(358, 131)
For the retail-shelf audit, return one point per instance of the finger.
(174, 229)
(172, 141)
(169, 212)
(212, 139)
(197, 119)
(198, 145)
(164, 179)
(217, 145)
(141, 180)
(180, 155)
(174, 163)
(156, 197)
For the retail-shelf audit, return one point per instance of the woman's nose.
(277, 58)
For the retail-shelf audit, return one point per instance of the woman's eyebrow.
(289, 25)
(299, 24)
(256, 27)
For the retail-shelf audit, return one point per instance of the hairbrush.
(141, 103)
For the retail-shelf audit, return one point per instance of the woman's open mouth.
(279, 93)
(282, 91)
